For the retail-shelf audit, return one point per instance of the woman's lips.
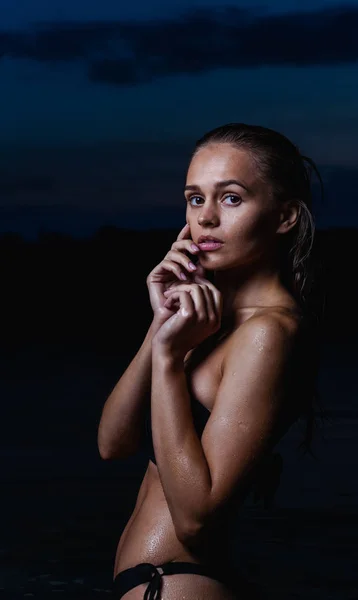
(210, 246)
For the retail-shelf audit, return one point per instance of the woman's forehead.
(222, 161)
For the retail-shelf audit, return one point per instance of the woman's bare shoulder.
(286, 320)
(280, 323)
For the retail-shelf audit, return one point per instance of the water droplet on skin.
(259, 339)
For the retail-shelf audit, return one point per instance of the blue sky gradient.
(80, 77)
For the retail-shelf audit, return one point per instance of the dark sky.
(102, 101)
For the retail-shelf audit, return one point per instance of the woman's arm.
(183, 469)
(121, 423)
(122, 420)
(199, 476)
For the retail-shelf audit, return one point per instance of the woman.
(224, 367)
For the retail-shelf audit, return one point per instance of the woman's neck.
(243, 289)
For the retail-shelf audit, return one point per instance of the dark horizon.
(71, 198)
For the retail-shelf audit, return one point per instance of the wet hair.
(280, 163)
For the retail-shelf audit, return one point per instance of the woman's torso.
(149, 535)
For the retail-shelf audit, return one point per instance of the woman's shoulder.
(273, 321)
(289, 317)
(267, 326)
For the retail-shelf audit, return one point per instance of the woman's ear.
(289, 215)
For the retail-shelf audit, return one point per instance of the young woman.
(226, 366)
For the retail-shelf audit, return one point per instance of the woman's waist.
(152, 538)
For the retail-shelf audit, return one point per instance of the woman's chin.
(213, 263)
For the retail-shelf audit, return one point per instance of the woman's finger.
(187, 305)
(180, 287)
(174, 268)
(172, 303)
(184, 260)
(210, 303)
(199, 300)
(186, 245)
(217, 295)
(183, 300)
(189, 250)
(213, 301)
(197, 295)
(184, 233)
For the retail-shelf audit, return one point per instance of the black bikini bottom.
(146, 572)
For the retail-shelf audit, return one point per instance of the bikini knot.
(155, 583)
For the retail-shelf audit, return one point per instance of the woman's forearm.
(183, 469)
(122, 417)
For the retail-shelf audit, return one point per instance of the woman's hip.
(177, 580)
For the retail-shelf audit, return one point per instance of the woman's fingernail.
(194, 247)
(192, 266)
(182, 276)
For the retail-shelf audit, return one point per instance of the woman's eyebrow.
(220, 184)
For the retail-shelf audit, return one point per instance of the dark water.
(63, 509)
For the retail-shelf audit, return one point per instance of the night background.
(100, 107)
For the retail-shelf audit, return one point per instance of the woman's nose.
(208, 216)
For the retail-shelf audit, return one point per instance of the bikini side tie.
(155, 584)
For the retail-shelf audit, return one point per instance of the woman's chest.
(204, 373)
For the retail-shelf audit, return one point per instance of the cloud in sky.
(126, 53)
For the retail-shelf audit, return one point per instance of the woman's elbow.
(110, 452)
(107, 450)
(189, 534)
(104, 449)
(198, 529)
(105, 453)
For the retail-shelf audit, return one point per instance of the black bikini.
(151, 574)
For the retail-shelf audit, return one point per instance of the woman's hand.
(170, 272)
(198, 309)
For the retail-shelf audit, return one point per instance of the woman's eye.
(190, 200)
(235, 199)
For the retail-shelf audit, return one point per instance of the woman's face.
(226, 199)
